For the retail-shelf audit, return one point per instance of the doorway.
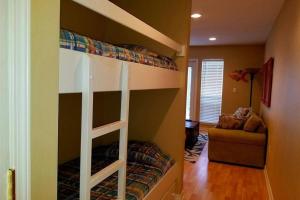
(211, 91)
(191, 99)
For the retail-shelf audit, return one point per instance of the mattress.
(140, 179)
(77, 42)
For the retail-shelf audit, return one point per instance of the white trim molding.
(194, 63)
(269, 188)
(4, 128)
(19, 93)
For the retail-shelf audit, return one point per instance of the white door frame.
(4, 112)
(17, 35)
(194, 63)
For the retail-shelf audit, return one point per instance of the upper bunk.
(106, 71)
(107, 62)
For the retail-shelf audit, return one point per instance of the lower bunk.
(151, 174)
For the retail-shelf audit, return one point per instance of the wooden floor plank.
(206, 180)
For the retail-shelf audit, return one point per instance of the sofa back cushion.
(262, 128)
(230, 122)
(253, 123)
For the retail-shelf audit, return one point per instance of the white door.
(190, 112)
(14, 96)
(211, 91)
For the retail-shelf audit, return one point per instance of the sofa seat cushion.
(237, 136)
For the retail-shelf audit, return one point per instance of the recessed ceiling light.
(212, 39)
(196, 15)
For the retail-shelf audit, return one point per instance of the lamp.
(238, 75)
(252, 72)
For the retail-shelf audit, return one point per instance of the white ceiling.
(233, 21)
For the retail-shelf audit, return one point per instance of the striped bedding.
(74, 41)
(141, 178)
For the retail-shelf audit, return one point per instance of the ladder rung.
(108, 128)
(106, 172)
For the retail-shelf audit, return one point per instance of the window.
(211, 90)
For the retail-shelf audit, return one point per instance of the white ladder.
(88, 133)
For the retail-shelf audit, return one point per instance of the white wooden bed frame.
(106, 73)
(86, 73)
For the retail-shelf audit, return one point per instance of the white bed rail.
(107, 74)
(117, 14)
(87, 181)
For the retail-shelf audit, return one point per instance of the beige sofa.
(237, 147)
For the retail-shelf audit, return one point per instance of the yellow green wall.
(235, 57)
(283, 116)
(106, 110)
(79, 19)
(44, 97)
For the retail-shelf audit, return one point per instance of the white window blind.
(211, 91)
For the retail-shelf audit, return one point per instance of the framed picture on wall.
(267, 71)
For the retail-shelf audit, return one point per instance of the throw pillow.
(253, 123)
(230, 122)
(139, 49)
(262, 128)
(243, 113)
(143, 152)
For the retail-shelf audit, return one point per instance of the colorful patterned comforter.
(140, 179)
(74, 41)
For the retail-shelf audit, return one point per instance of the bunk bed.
(85, 68)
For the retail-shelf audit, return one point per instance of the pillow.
(139, 49)
(253, 123)
(230, 122)
(98, 153)
(150, 57)
(81, 43)
(108, 50)
(243, 113)
(124, 54)
(67, 39)
(143, 152)
(95, 47)
(262, 128)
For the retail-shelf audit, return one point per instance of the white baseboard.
(270, 193)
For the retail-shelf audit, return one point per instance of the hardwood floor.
(206, 180)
